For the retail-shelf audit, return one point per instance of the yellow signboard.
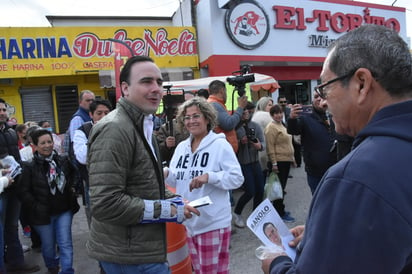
(31, 52)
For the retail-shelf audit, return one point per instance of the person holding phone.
(318, 135)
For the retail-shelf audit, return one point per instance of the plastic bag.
(273, 188)
(266, 252)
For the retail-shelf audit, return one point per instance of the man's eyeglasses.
(320, 89)
(89, 100)
(283, 102)
(194, 117)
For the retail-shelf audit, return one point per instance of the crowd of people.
(355, 143)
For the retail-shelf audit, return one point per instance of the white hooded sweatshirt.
(214, 156)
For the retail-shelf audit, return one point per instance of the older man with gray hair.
(360, 220)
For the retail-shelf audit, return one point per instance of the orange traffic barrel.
(177, 250)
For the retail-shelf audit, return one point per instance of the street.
(243, 241)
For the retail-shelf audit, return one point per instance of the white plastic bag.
(273, 188)
(266, 252)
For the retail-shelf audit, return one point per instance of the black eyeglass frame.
(319, 88)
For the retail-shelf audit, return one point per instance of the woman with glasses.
(205, 165)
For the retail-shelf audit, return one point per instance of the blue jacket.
(360, 219)
(317, 140)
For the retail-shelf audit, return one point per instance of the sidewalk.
(243, 242)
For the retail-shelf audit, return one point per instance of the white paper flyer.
(267, 225)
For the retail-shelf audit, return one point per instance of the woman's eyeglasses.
(194, 117)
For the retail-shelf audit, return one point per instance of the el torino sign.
(291, 18)
(295, 18)
(247, 21)
(66, 51)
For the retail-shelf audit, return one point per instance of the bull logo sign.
(247, 24)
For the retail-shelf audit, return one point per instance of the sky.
(31, 13)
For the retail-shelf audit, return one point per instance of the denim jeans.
(59, 232)
(155, 268)
(2, 268)
(254, 186)
(313, 182)
(9, 213)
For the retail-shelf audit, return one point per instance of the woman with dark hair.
(49, 200)
(280, 153)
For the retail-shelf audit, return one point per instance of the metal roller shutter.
(37, 105)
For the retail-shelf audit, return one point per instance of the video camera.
(172, 101)
(239, 81)
(251, 135)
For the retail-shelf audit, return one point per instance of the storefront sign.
(247, 24)
(320, 22)
(325, 20)
(26, 52)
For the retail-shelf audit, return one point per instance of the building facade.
(42, 70)
(282, 38)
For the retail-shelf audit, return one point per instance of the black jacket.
(35, 194)
(9, 146)
(317, 139)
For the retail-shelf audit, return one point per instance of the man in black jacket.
(10, 206)
(318, 135)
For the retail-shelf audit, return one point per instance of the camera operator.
(226, 122)
(251, 140)
(169, 135)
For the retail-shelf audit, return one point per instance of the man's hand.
(295, 111)
(257, 145)
(170, 142)
(266, 262)
(5, 171)
(244, 140)
(189, 210)
(242, 101)
(297, 232)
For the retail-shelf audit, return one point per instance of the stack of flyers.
(267, 225)
(10, 163)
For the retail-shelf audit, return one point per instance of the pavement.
(243, 241)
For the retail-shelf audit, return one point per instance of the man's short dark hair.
(250, 105)
(215, 86)
(97, 102)
(281, 96)
(125, 73)
(2, 101)
(380, 50)
(203, 93)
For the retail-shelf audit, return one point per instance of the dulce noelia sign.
(30, 52)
